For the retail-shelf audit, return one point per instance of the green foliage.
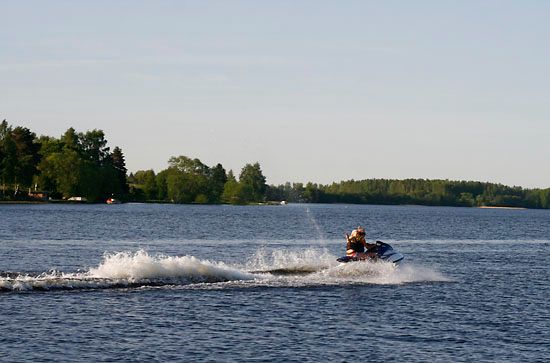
(413, 191)
(185, 180)
(162, 185)
(253, 183)
(76, 164)
(70, 140)
(62, 170)
(81, 164)
(19, 155)
(118, 171)
(93, 146)
(232, 191)
(201, 199)
(251, 187)
(8, 151)
(184, 187)
(544, 197)
(147, 180)
(218, 178)
(26, 154)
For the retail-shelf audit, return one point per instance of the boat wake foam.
(128, 269)
(380, 272)
(276, 268)
(288, 262)
(186, 269)
(313, 266)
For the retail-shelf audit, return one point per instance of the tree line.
(81, 164)
(75, 164)
(413, 191)
(188, 180)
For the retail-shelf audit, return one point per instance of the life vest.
(355, 244)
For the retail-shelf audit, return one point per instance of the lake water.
(145, 282)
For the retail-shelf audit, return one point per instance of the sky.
(318, 91)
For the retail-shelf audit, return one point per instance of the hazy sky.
(314, 90)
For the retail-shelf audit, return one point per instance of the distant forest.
(413, 191)
(80, 166)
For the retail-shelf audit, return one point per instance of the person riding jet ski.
(356, 245)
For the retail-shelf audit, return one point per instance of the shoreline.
(492, 207)
(259, 204)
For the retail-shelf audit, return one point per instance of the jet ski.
(384, 252)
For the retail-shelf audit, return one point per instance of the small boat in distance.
(113, 201)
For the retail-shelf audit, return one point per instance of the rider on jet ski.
(356, 245)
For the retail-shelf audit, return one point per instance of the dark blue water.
(186, 283)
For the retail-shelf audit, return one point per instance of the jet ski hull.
(384, 252)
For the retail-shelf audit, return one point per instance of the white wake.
(275, 268)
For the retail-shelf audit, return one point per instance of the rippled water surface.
(138, 282)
